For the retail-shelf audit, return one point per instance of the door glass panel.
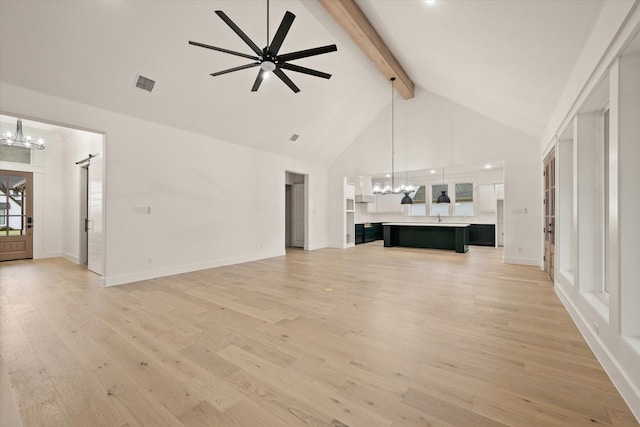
(13, 205)
(16, 225)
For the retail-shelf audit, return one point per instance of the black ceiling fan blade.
(306, 53)
(219, 49)
(230, 70)
(239, 32)
(258, 82)
(304, 70)
(283, 29)
(278, 72)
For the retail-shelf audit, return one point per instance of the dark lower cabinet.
(427, 236)
(482, 234)
(369, 232)
(359, 233)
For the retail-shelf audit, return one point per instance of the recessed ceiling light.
(430, 2)
(388, 175)
(487, 166)
(432, 171)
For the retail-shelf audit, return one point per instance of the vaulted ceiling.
(508, 60)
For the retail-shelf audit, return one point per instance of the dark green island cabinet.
(368, 232)
(422, 235)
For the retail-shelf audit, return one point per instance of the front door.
(549, 212)
(16, 215)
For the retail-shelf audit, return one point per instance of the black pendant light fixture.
(443, 198)
(406, 200)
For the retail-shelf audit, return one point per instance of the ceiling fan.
(268, 58)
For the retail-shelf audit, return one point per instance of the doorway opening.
(296, 230)
(66, 192)
(16, 215)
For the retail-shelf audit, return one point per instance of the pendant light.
(408, 189)
(406, 200)
(443, 198)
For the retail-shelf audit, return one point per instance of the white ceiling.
(508, 60)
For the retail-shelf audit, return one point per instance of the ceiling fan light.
(267, 66)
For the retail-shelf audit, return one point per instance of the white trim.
(151, 274)
(316, 246)
(609, 362)
(70, 257)
(523, 261)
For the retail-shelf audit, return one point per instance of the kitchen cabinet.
(482, 234)
(386, 203)
(349, 212)
(368, 232)
(420, 235)
(486, 198)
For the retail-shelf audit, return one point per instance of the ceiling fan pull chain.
(267, 22)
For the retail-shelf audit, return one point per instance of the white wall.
(610, 323)
(591, 63)
(430, 131)
(212, 202)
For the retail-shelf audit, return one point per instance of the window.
(441, 209)
(605, 231)
(464, 200)
(3, 214)
(419, 206)
(15, 154)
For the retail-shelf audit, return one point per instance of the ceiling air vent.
(294, 137)
(145, 83)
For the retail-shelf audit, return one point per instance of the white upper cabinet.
(486, 198)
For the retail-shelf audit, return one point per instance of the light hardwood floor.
(368, 336)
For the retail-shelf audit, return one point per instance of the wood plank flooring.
(368, 336)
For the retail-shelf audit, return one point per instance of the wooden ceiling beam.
(352, 20)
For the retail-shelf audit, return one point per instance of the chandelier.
(19, 140)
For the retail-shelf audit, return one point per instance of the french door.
(16, 215)
(549, 212)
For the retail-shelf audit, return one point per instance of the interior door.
(549, 212)
(95, 232)
(16, 215)
(297, 201)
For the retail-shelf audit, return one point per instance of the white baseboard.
(47, 255)
(522, 261)
(621, 380)
(170, 271)
(71, 257)
(317, 246)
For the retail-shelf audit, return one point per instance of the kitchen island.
(427, 235)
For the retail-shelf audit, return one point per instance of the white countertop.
(426, 224)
